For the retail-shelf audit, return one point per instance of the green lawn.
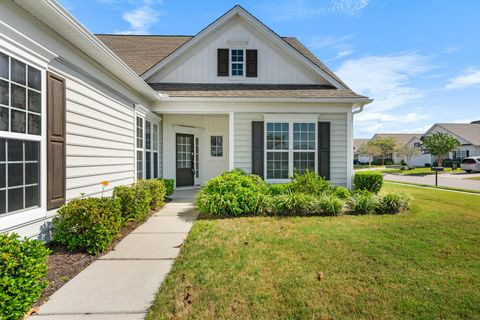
(424, 264)
(474, 178)
(419, 171)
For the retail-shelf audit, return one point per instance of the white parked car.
(470, 164)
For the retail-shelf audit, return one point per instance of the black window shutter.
(252, 63)
(257, 147)
(222, 62)
(324, 149)
(56, 141)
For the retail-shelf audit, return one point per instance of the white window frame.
(230, 62)
(290, 119)
(15, 218)
(222, 157)
(146, 117)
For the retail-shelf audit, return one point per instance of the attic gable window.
(238, 62)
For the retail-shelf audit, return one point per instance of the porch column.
(231, 140)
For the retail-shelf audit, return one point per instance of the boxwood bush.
(22, 274)
(157, 190)
(169, 185)
(135, 201)
(371, 181)
(88, 224)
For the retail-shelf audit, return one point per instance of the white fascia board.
(257, 25)
(51, 13)
(356, 101)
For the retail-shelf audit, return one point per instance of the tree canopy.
(439, 145)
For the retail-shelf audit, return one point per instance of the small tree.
(408, 152)
(386, 146)
(439, 144)
(370, 150)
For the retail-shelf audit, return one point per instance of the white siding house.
(77, 109)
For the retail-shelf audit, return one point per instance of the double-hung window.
(148, 150)
(20, 120)
(291, 147)
(237, 58)
(139, 148)
(155, 151)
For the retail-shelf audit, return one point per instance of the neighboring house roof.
(358, 143)
(400, 138)
(252, 90)
(467, 131)
(142, 52)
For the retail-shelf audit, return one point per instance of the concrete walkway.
(122, 284)
(445, 180)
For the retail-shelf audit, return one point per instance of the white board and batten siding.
(100, 141)
(199, 65)
(338, 140)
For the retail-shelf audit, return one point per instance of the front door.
(184, 160)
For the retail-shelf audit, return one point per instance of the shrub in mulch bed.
(236, 193)
(22, 274)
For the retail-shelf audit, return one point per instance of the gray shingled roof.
(357, 143)
(252, 90)
(467, 131)
(400, 138)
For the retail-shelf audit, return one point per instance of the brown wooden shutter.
(324, 149)
(56, 141)
(257, 147)
(252, 63)
(222, 62)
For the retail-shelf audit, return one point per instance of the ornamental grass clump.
(23, 267)
(392, 202)
(363, 202)
(329, 205)
(292, 204)
(233, 193)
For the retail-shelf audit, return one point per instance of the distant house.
(402, 139)
(468, 134)
(357, 145)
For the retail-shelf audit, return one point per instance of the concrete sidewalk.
(122, 284)
(445, 180)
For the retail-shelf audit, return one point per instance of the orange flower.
(104, 183)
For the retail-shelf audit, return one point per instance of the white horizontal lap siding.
(200, 65)
(243, 139)
(338, 146)
(100, 141)
(160, 148)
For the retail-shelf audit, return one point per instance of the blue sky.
(419, 60)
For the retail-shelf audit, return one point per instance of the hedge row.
(91, 224)
(235, 193)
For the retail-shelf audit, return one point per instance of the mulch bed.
(64, 266)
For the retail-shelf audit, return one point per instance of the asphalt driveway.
(461, 181)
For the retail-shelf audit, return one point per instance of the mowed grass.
(424, 264)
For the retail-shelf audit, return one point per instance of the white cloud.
(386, 79)
(307, 9)
(142, 18)
(469, 78)
(411, 117)
(338, 44)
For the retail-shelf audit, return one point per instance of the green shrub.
(340, 192)
(22, 272)
(292, 203)
(88, 224)
(392, 202)
(368, 180)
(157, 191)
(232, 194)
(329, 205)
(275, 189)
(363, 202)
(309, 183)
(135, 201)
(169, 185)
